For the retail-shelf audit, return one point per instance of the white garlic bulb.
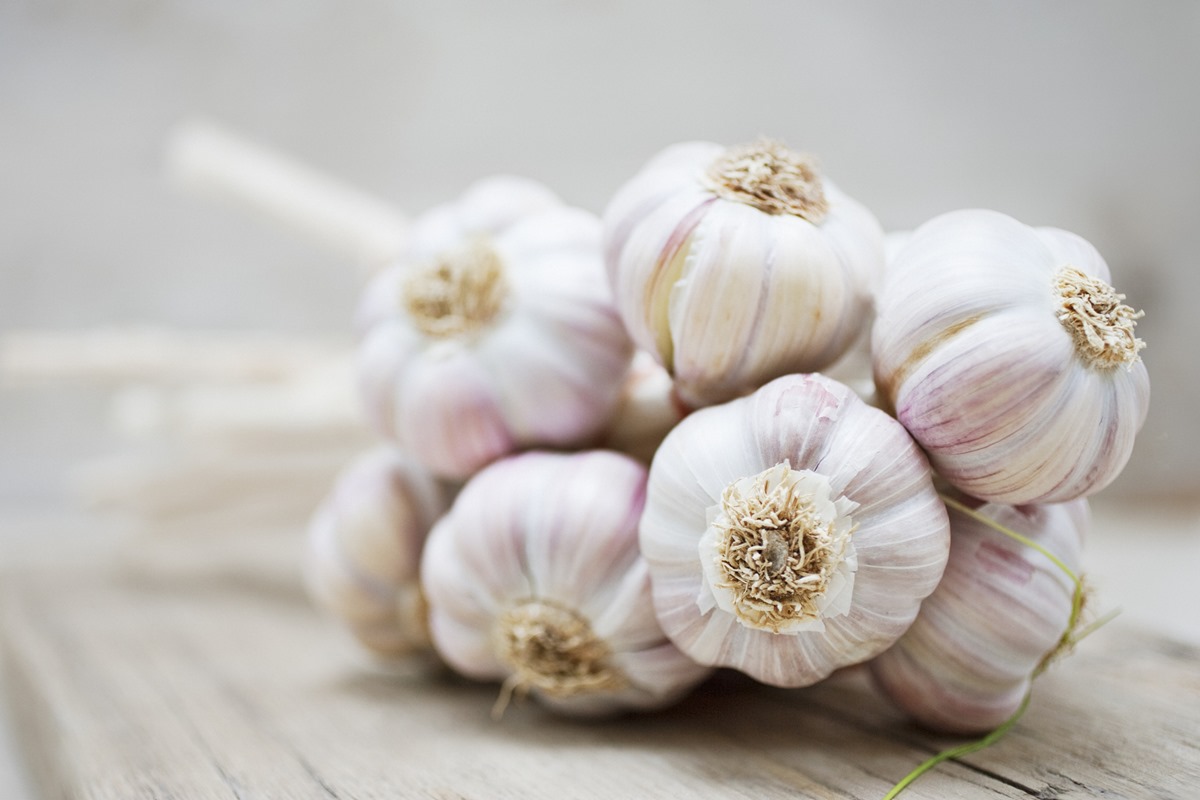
(534, 578)
(1006, 353)
(735, 266)
(966, 663)
(791, 532)
(646, 412)
(364, 549)
(495, 331)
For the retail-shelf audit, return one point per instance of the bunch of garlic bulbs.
(786, 528)
(494, 331)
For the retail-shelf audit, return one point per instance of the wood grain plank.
(127, 689)
(1119, 719)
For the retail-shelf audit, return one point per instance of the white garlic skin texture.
(969, 351)
(876, 478)
(539, 358)
(966, 663)
(727, 296)
(364, 548)
(558, 530)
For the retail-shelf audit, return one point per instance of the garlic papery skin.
(1006, 353)
(791, 532)
(496, 332)
(364, 548)
(534, 579)
(1001, 609)
(735, 266)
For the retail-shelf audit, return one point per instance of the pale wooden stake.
(204, 158)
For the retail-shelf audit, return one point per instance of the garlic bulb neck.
(781, 546)
(1100, 323)
(771, 178)
(553, 649)
(459, 293)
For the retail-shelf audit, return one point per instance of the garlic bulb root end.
(769, 177)
(457, 293)
(1099, 322)
(554, 650)
(778, 548)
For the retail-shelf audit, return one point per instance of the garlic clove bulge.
(646, 264)
(734, 266)
(364, 549)
(791, 532)
(557, 367)
(470, 427)
(963, 667)
(1009, 357)
(505, 340)
(534, 579)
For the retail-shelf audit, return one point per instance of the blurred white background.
(1083, 115)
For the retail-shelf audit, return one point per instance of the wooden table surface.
(131, 687)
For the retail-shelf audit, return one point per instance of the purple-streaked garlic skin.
(969, 351)
(727, 296)
(544, 370)
(966, 663)
(900, 538)
(364, 548)
(559, 530)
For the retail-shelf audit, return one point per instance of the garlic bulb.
(534, 579)
(791, 532)
(965, 664)
(735, 266)
(365, 545)
(647, 411)
(1006, 353)
(494, 332)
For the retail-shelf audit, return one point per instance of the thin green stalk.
(1069, 638)
(961, 750)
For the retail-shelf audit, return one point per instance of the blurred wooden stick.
(204, 158)
(120, 353)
